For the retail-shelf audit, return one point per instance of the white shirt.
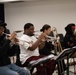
(26, 42)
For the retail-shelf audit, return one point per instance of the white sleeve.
(26, 45)
(25, 42)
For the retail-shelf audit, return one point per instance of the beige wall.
(57, 13)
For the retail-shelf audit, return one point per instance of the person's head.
(2, 28)
(70, 28)
(29, 29)
(46, 29)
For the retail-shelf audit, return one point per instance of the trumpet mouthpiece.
(7, 34)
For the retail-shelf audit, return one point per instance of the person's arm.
(36, 44)
(32, 46)
(41, 45)
(67, 42)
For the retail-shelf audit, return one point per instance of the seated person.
(69, 39)
(29, 49)
(5, 28)
(7, 49)
(46, 47)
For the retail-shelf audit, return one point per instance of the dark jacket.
(69, 41)
(6, 51)
(70, 38)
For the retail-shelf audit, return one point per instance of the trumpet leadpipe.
(7, 34)
(52, 38)
(18, 31)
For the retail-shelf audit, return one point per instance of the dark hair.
(69, 26)
(46, 26)
(27, 25)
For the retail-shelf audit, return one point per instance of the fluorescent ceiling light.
(4, 1)
(9, 0)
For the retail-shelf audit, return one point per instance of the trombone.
(58, 49)
(55, 33)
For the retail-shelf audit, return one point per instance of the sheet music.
(66, 52)
(34, 62)
(63, 54)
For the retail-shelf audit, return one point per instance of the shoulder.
(24, 36)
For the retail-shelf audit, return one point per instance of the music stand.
(66, 53)
(40, 61)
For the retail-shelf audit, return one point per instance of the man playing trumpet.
(30, 51)
(7, 50)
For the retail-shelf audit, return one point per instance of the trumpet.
(18, 31)
(20, 42)
(50, 38)
(7, 34)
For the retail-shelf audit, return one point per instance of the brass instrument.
(58, 50)
(20, 42)
(58, 42)
(52, 39)
(48, 38)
